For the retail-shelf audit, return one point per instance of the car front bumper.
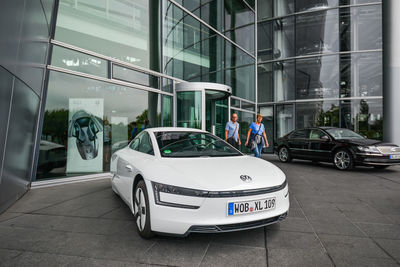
(368, 159)
(211, 216)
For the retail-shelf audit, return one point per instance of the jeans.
(258, 150)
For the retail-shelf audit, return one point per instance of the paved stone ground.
(336, 219)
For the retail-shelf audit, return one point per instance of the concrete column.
(391, 71)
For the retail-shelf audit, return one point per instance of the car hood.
(217, 174)
(365, 142)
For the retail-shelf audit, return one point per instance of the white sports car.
(180, 181)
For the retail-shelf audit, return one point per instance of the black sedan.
(343, 147)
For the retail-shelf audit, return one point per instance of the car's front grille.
(389, 149)
(236, 226)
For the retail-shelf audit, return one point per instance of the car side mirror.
(325, 138)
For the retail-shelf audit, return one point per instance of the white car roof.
(173, 129)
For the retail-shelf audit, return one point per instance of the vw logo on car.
(245, 178)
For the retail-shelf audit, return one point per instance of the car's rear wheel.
(381, 167)
(141, 210)
(343, 160)
(284, 154)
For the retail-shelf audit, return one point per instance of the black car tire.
(380, 167)
(140, 206)
(343, 160)
(284, 154)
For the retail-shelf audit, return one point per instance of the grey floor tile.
(391, 246)
(250, 238)
(7, 256)
(297, 257)
(294, 224)
(231, 255)
(379, 230)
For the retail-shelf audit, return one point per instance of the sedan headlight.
(176, 190)
(369, 149)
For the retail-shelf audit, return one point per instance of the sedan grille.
(389, 149)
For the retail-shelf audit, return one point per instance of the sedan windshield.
(338, 133)
(193, 144)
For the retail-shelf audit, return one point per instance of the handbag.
(232, 140)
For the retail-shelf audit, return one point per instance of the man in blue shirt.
(232, 131)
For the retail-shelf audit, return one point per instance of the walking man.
(232, 132)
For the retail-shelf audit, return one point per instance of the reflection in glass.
(237, 14)
(265, 83)
(119, 29)
(82, 113)
(317, 32)
(264, 9)
(284, 37)
(284, 120)
(309, 5)
(283, 7)
(134, 76)
(189, 109)
(243, 36)
(317, 77)
(361, 74)
(72, 60)
(361, 28)
(318, 113)
(363, 116)
(284, 81)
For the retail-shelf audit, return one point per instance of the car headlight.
(170, 189)
(368, 149)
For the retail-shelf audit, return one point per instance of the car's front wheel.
(284, 154)
(343, 160)
(141, 210)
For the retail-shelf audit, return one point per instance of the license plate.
(394, 156)
(245, 207)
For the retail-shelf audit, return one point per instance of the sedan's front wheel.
(343, 160)
(284, 154)
(141, 210)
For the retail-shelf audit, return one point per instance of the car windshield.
(344, 134)
(193, 144)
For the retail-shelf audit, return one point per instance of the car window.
(134, 144)
(316, 134)
(299, 134)
(145, 144)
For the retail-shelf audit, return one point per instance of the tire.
(284, 154)
(141, 210)
(380, 167)
(343, 160)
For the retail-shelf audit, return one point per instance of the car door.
(298, 143)
(320, 145)
(139, 151)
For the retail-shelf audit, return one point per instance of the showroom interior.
(81, 78)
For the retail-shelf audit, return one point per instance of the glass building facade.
(109, 69)
(319, 63)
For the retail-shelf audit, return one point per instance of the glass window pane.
(361, 74)
(284, 120)
(317, 32)
(265, 83)
(145, 145)
(237, 14)
(284, 80)
(317, 77)
(284, 37)
(361, 28)
(264, 9)
(72, 60)
(318, 113)
(243, 36)
(119, 29)
(133, 76)
(242, 81)
(264, 41)
(268, 120)
(303, 5)
(363, 116)
(85, 121)
(189, 110)
(283, 7)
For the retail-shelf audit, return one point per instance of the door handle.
(129, 168)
